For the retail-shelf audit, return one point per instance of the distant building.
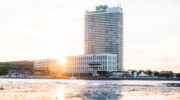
(45, 66)
(104, 32)
(119, 74)
(85, 63)
(51, 64)
(19, 73)
(165, 72)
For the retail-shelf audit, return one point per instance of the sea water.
(55, 89)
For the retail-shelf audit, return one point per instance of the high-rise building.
(104, 32)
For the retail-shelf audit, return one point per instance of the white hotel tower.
(104, 32)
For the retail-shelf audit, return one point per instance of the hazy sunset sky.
(36, 29)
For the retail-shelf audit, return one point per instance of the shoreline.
(95, 78)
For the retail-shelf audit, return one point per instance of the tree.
(101, 7)
(140, 71)
(132, 71)
(3, 70)
(156, 73)
(178, 75)
(16, 65)
(170, 74)
(149, 72)
(167, 75)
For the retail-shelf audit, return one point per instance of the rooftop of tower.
(105, 9)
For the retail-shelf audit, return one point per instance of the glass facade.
(104, 33)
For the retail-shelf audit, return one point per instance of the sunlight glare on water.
(60, 92)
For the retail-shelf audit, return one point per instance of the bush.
(16, 65)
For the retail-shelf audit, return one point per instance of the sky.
(37, 29)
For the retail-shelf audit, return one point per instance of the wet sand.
(48, 89)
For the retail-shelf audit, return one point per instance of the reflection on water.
(42, 89)
(60, 93)
(102, 93)
(92, 92)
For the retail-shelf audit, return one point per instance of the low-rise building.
(165, 72)
(86, 63)
(47, 66)
(19, 73)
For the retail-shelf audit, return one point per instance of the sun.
(62, 60)
(54, 52)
